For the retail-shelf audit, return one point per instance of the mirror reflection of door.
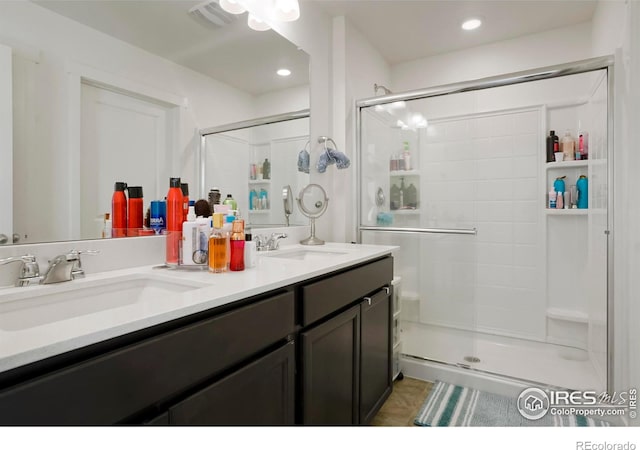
(123, 138)
(6, 147)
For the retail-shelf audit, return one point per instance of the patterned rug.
(448, 405)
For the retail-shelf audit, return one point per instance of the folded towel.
(303, 161)
(331, 156)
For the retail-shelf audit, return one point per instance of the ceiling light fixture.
(232, 6)
(471, 24)
(257, 24)
(284, 72)
(263, 12)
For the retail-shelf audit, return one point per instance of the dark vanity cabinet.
(346, 346)
(316, 352)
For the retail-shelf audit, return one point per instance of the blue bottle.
(558, 185)
(253, 199)
(582, 185)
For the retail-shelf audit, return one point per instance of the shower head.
(377, 86)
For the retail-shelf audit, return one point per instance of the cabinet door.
(330, 370)
(375, 354)
(261, 393)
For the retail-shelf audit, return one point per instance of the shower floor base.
(537, 362)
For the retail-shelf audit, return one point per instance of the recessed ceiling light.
(471, 24)
(284, 72)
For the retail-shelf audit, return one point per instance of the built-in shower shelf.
(567, 164)
(567, 315)
(259, 211)
(566, 212)
(404, 173)
(259, 181)
(406, 212)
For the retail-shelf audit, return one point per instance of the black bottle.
(553, 145)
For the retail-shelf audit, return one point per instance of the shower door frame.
(543, 73)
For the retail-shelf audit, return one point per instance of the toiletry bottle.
(406, 156)
(229, 201)
(185, 200)
(107, 230)
(189, 238)
(119, 210)
(218, 242)
(394, 197)
(229, 218)
(583, 142)
(174, 221)
(253, 199)
(214, 197)
(402, 192)
(263, 199)
(582, 185)
(552, 199)
(552, 140)
(559, 200)
(266, 169)
(201, 252)
(134, 210)
(568, 147)
(558, 184)
(237, 246)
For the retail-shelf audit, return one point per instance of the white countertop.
(20, 345)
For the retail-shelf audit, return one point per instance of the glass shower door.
(417, 188)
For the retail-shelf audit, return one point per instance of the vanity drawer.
(326, 296)
(119, 384)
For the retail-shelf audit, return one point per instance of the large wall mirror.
(104, 91)
(255, 162)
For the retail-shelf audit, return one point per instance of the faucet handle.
(74, 255)
(29, 272)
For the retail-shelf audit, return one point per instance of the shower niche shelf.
(566, 212)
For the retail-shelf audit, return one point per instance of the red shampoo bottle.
(119, 210)
(174, 221)
(135, 216)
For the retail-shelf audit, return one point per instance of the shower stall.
(489, 280)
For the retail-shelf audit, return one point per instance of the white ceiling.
(233, 54)
(406, 30)
(401, 30)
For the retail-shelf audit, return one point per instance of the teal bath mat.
(449, 405)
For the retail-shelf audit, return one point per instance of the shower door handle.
(422, 230)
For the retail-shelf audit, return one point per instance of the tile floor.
(403, 404)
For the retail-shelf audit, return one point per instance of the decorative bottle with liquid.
(237, 246)
(218, 245)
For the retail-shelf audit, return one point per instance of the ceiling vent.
(210, 14)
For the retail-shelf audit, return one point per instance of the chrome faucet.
(66, 267)
(272, 243)
(29, 272)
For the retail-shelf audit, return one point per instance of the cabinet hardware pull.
(387, 290)
(368, 299)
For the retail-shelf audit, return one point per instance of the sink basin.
(41, 305)
(303, 254)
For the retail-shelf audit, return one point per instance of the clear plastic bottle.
(567, 146)
(406, 156)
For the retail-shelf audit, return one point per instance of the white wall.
(528, 52)
(283, 101)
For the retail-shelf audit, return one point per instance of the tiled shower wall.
(482, 171)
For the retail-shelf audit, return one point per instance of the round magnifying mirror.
(313, 203)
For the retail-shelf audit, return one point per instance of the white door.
(124, 138)
(6, 147)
